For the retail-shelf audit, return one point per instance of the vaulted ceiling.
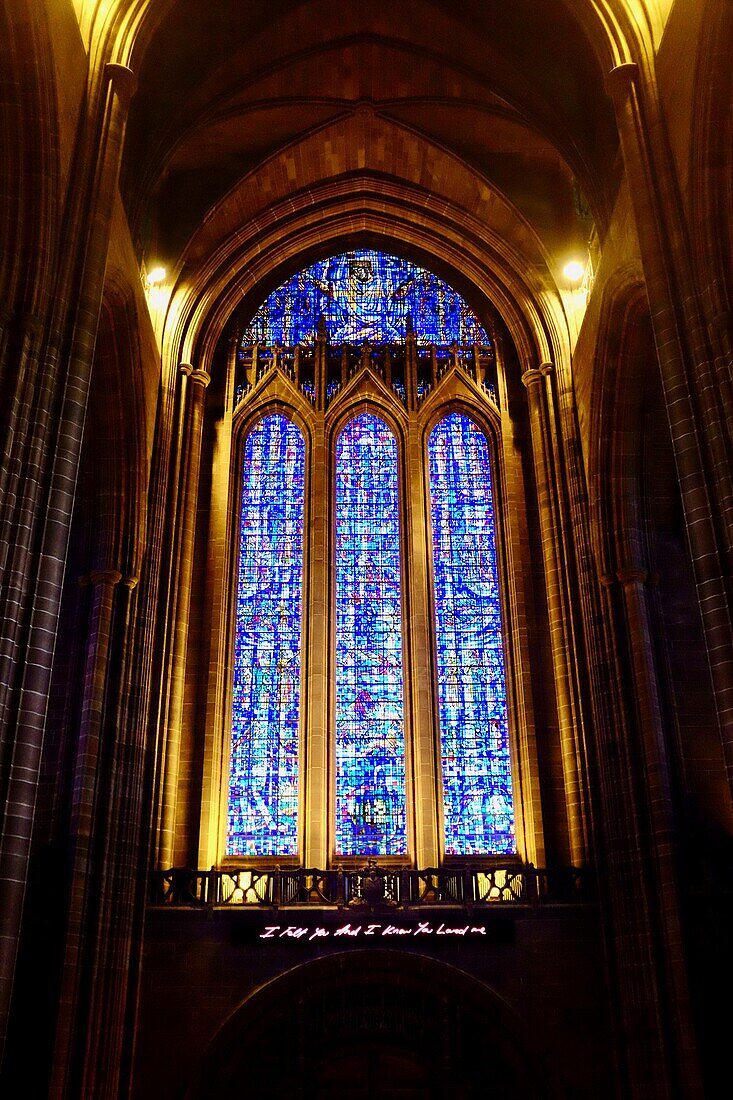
(253, 123)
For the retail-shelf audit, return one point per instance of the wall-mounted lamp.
(156, 276)
(574, 271)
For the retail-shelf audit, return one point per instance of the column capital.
(130, 582)
(632, 574)
(200, 378)
(122, 80)
(109, 577)
(185, 369)
(620, 80)
(547, 369)
(532, 377)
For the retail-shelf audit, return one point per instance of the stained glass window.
(364, 295)
(370, 747)
(263, 792)
(477, 783)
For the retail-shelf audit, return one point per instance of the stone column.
(88, 769)
(422, 699)
(664, 900)
(168, 568)
(23, 338)
(551, 534)
(655, 1032)
(700, 433)
(517, 583)
(198, 380)
(34, 580)
(316, 702)
(222, 535)
(114, 933)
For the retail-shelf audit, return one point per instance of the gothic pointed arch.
(421, 1006)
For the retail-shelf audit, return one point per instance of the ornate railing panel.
(510, 884)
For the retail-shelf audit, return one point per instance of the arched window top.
(365, 295)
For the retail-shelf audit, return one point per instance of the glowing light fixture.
(574, 271)
(156, 276)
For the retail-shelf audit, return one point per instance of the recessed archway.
(371, 1024)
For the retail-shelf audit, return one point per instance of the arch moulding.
(374, 213)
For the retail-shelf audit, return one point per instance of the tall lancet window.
(339, 332)
(477, 782)
(263, 791)
(370, 738)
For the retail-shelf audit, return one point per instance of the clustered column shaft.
(548, 504)
(700, 434)
(30, 613)
(198, 380)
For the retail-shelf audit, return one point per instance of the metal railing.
(511, 884)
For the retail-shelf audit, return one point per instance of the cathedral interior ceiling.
(241, 108)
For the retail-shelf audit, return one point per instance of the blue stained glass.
(370, 742)
(365, 295)
(263, 791)
(477, 782)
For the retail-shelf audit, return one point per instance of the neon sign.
(350, 932)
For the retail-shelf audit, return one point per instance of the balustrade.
(506, 884)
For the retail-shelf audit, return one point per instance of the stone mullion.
(559, 640)
(220, 596)
(411, 362)
(422, 699)
(40, 604)
(683, 363)
(651, 739)
(191, 461)
(320, 367)
(316, 703)
(87, 776)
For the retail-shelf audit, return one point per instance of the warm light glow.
(574, 270)
(156, 276)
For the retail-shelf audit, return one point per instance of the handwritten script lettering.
(358, 931)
